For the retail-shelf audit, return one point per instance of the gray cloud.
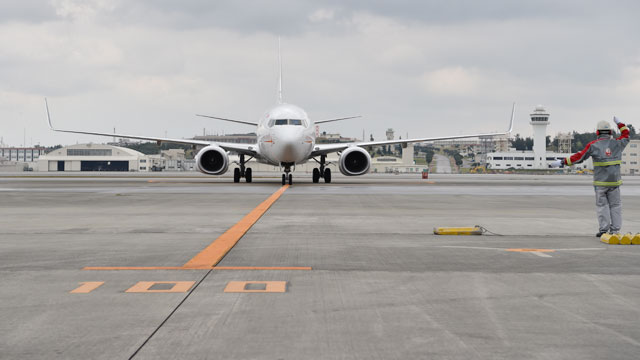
(425, 68)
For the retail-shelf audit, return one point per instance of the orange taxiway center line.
(213, 253)
(135, 268)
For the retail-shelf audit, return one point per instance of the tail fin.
(279, 74)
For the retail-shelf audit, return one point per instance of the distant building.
(390, 135)
(250, 138)
(21, 154)
(326, 138)
(539, 158)
(94, 157)
(631, 159)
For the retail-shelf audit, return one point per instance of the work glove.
(556, 163)
(616, 120)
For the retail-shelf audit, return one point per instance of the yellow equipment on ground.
(611, 239)
(619, 239)
(476, 230)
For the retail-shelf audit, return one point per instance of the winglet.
(46, 105)
(513, 115)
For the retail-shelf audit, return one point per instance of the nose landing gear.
(287, 176)
(242, 172)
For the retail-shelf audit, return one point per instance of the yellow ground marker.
(636, 239)
(269, 287)
(611, 239)
(145, 286)
(86, 287)
(213, 253)
(626, 239)
(476, 230)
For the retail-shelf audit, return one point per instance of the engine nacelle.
(212, 160)
(354, 161)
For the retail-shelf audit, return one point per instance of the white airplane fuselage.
(286, 135)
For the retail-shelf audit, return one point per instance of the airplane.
(285, 138)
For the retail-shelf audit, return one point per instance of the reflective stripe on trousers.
(609, 208)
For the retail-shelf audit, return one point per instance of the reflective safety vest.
(606, 152)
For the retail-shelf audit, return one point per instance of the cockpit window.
(287, 122)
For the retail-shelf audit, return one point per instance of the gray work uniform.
(606, 152)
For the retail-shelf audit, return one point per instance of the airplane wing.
(231, 120)
(323, 149)
(247, 149)
(338, 119)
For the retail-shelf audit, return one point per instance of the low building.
(21, 154)
(250, 138)
(94, 157)
(631, 159)
(517, 159)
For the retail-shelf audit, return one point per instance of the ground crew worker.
(606, 152)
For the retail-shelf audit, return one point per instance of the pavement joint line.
(170, 314)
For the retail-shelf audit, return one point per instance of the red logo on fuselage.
(607, 152)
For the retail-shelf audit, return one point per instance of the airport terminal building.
(94, 157)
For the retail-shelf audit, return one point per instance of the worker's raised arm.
(624, 132)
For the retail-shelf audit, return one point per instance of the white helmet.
(604, 126)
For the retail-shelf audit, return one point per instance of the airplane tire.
(327, 175)
(247, 175)
(236, 175)
(290, 179)
(316, 175)
(284, 179)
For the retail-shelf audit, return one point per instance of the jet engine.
(354, 161)
(212, 160)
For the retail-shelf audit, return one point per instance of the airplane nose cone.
(288, 142)
(288, 152)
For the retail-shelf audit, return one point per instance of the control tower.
(539, 122)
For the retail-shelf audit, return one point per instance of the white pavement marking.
(541, 254)
(470, 247)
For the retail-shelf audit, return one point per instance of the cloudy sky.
(421, 67)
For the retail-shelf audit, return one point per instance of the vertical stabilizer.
(279, 74)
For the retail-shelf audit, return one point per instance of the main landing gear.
(287, 176)
(321, 172)
(242, 172)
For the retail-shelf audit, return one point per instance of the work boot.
(599, 234)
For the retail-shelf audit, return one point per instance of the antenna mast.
(279, 74)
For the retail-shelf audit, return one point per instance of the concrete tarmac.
(381, 285)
